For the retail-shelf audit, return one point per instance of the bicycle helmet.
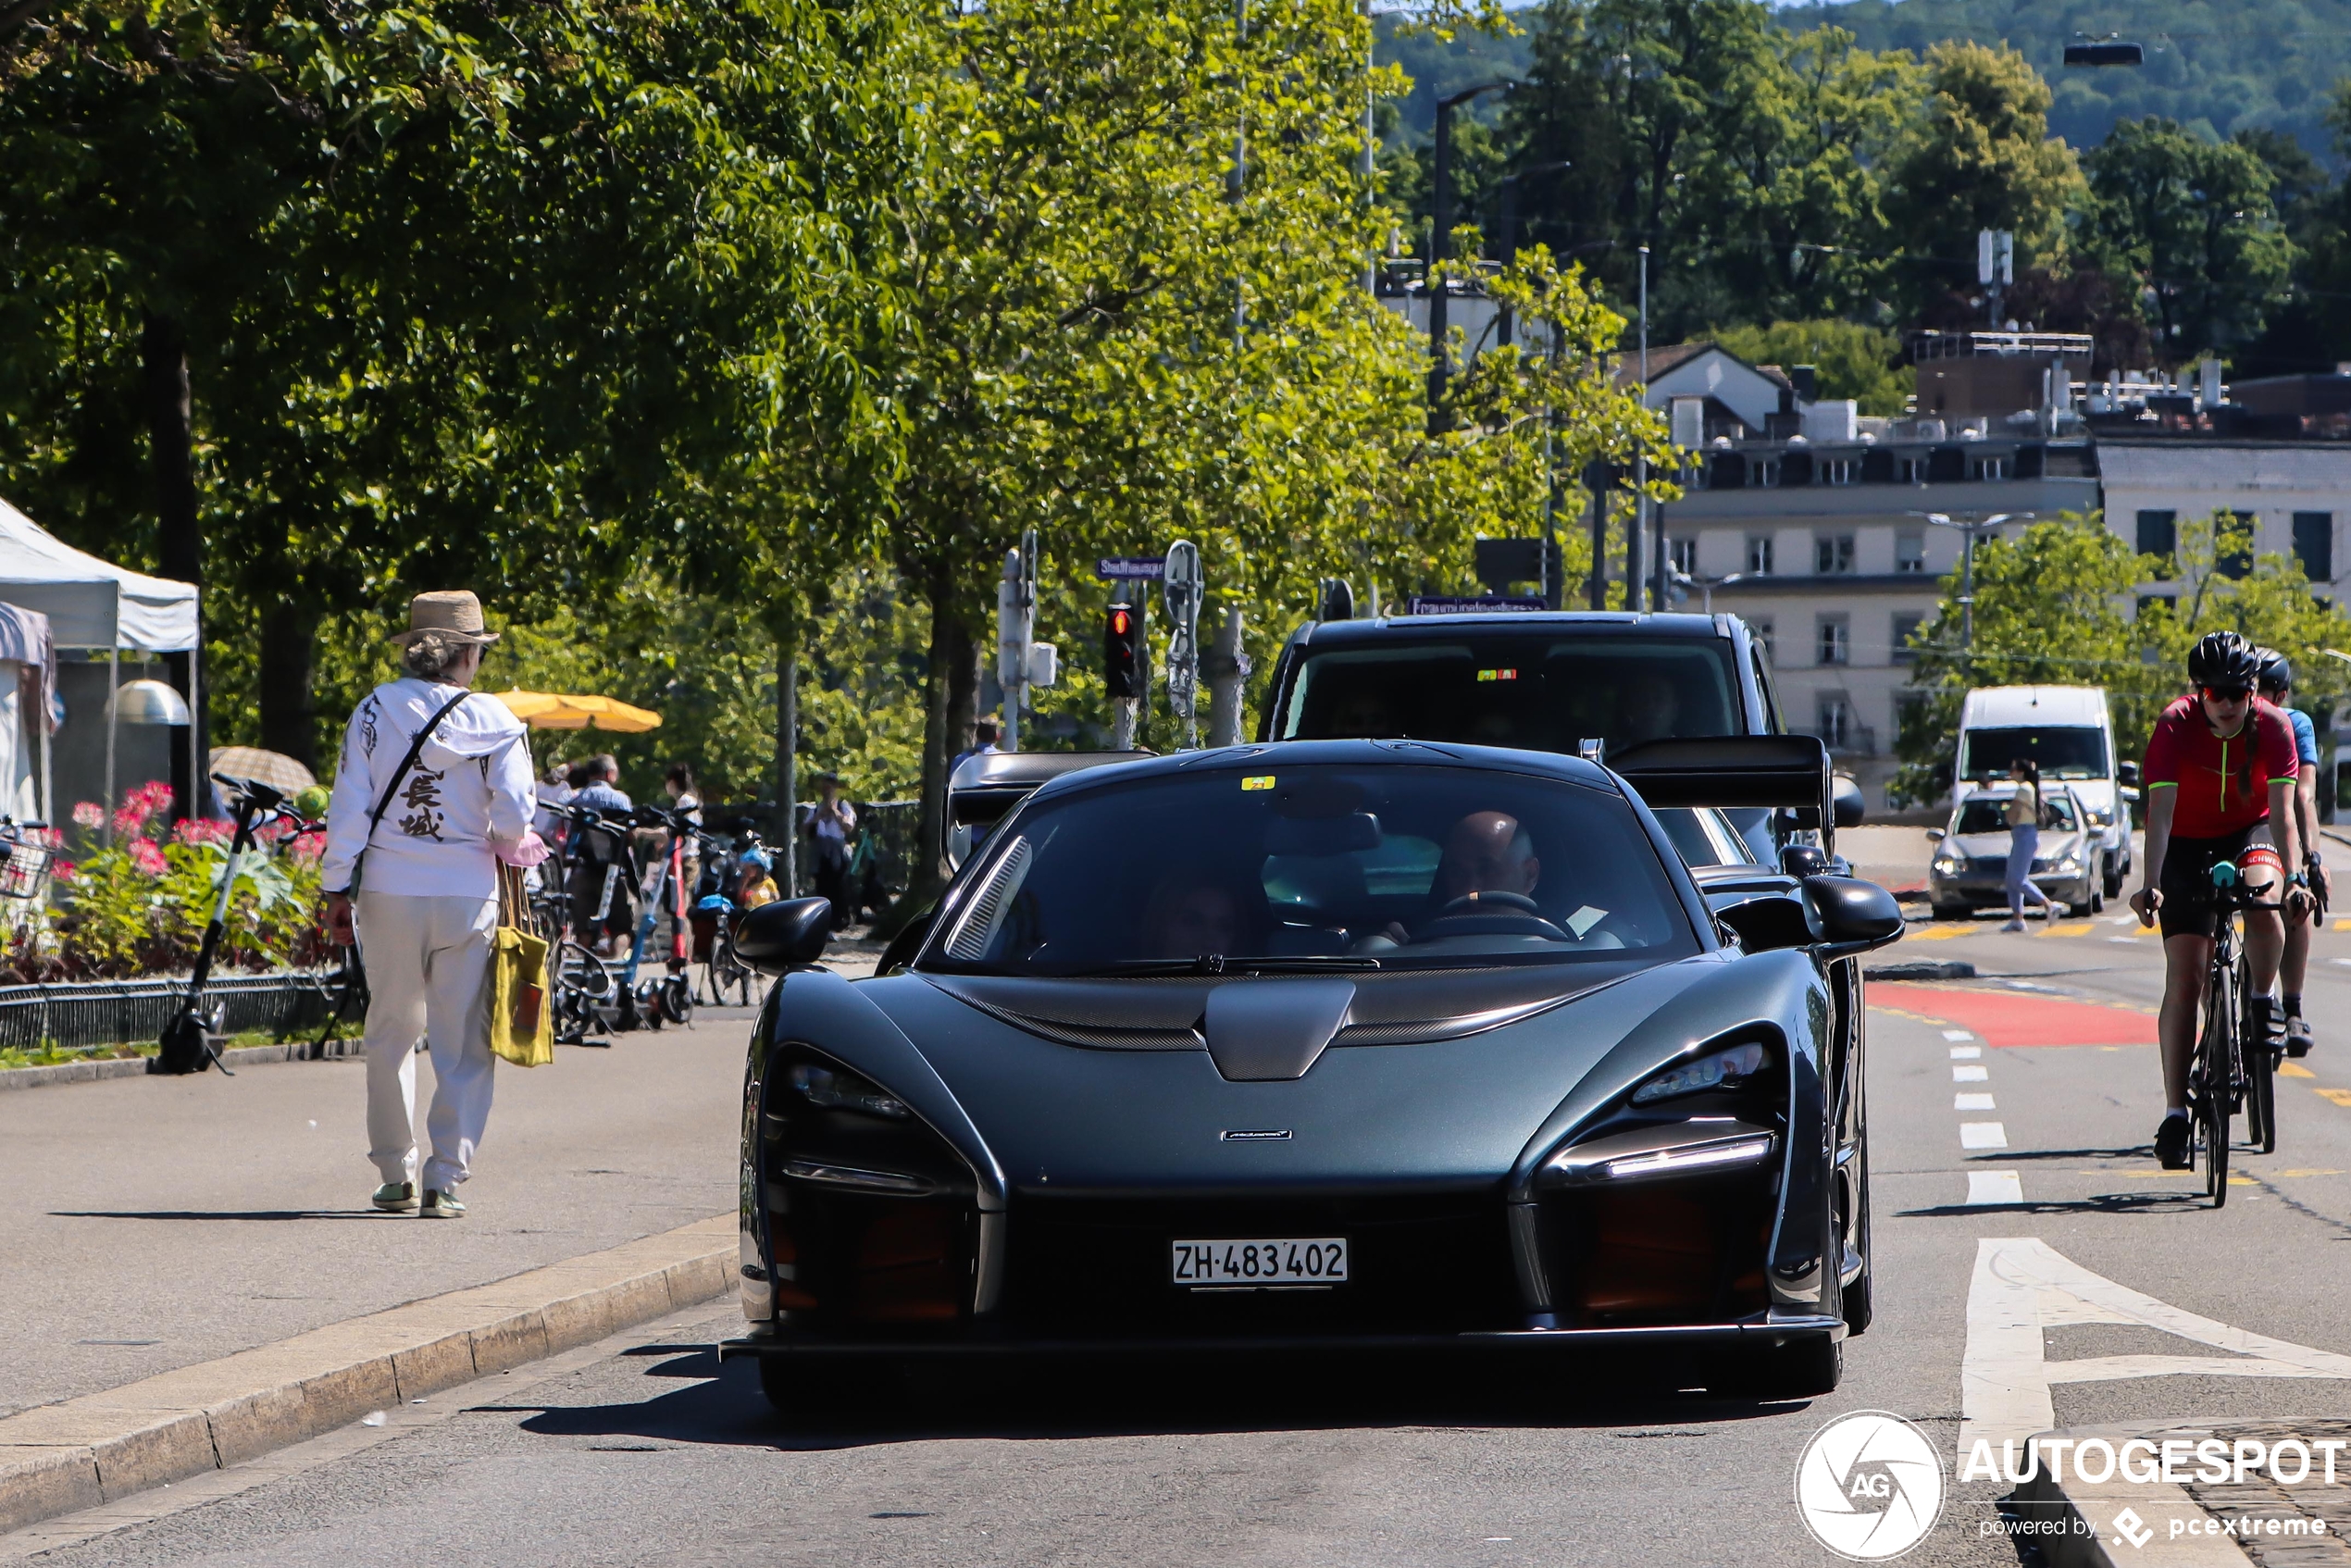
(2224, 661)
(2271, 671)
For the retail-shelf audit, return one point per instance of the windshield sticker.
(1498, 675)
(1258, 782)
(1585, 919)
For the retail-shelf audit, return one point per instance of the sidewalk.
(2196, 1524)
(156, 1223)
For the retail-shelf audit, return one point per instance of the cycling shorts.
(2187, 875)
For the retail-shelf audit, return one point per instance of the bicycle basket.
(24, 870)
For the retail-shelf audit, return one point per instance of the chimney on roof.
(1807, 380)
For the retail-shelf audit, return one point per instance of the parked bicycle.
(737, 875)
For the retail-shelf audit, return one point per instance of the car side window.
(1771, 695)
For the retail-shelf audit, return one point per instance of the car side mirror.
(788, 934)
(1850, 805)
(2129, 774)
(1848, 915)
(1936, 835)
(1803, 859)
(2128, 793)
(1772, 921)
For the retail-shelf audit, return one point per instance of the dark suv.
(1539, 681)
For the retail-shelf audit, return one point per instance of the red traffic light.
(1119, 621)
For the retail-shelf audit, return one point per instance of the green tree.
(1862, 362)
(1979, 158)
(2192, 222)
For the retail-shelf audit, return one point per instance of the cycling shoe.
(2172, 1142)
(2298, 1036)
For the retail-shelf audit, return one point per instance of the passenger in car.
(1189, 914)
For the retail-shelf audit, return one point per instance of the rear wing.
(1776, 772)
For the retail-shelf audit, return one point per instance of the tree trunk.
(289, 650)
(951, 690)
(787, 632)
(163, 351)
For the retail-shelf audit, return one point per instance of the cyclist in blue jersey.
(2276, 680)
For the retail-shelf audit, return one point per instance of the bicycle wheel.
(678, 999)
(2215, 1071)
(581, 981)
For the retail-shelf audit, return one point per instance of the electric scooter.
(191, 1042)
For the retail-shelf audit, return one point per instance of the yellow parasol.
(549, 710)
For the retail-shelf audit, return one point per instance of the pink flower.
(195, 830)
(62, 870)
(154, 795)
(147, 858)
(89, 814)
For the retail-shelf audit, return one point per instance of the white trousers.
(427, 961)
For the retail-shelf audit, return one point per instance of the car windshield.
(1328, 865)
(1537, 693)
(1988, 813)
(2063, 751)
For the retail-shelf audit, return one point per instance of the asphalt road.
(658, 1455)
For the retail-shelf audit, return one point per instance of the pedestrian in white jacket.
(426, 900)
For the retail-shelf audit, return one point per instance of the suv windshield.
(1989, 815)
(2063, 751)
(1540, 693)
(1346, 867)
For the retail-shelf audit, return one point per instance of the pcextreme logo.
(1870, 1486)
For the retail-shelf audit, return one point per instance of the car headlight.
(1724, 1069)
(831, 1090)
(1949, 865)
(2101, 818)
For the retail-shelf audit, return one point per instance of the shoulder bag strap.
(415, 749)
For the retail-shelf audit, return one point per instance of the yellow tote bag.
(522, 1028)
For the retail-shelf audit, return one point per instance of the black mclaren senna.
(1324, 1044)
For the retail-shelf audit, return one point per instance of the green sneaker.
(395, 1197)
(440, 1205)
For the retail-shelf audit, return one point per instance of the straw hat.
(454, 612)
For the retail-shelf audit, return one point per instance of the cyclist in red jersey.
(2219, 776)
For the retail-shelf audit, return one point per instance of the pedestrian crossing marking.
(1969, 1074)
(1966, 1053)
(1982, 1135)
(1972, 1102)
(1957, 1034)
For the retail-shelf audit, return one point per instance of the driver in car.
(1487, 851)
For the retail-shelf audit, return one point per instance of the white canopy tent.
(94, 603)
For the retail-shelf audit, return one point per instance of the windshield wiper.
(1220, 964)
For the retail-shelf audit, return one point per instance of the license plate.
(1255, 1264)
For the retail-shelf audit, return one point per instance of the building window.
(1832, 553)
(1684, 554)
(1837, 723)
(1988, 467)
(2314, 544)
(1759, 554)
(1909, 551)
(1906, 625)
(2237, 563)
(1836, 470)
(1764, 472)
(1913, 470)
(1835, 643)
(2159, 534)
(1761, 628)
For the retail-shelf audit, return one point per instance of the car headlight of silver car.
(1949, 863)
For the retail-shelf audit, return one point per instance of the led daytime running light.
(1688, 1157)
(861, 1179)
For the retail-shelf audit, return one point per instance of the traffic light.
(1123, 652)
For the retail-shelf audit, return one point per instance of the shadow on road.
(222, 1214)
(2098, 1204)
(1127, 1396)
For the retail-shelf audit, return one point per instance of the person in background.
(601, 862)
(423, 903)
(555, 790)
(2274, 681)
(678, 785)
(2023, 817)
(984, 737)
(832, 822)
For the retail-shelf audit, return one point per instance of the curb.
(136, 1066)
(98, 1449)
(2087, 1528)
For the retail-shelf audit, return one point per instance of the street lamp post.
(1707, 585)
(1441, 211)
(1506, 235)
(1967, 561)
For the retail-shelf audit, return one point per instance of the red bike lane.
(2005, 1017)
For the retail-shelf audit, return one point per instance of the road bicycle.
(2230, 1073)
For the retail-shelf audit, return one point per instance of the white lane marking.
(2023, 1286)
(1969, 1074)
(1966, 1053)
(1972, 1102)
(1962, 1034)
(2344, 962)
(1982, 1135)
(1995, 1187)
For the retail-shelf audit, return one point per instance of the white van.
(2065, 729)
